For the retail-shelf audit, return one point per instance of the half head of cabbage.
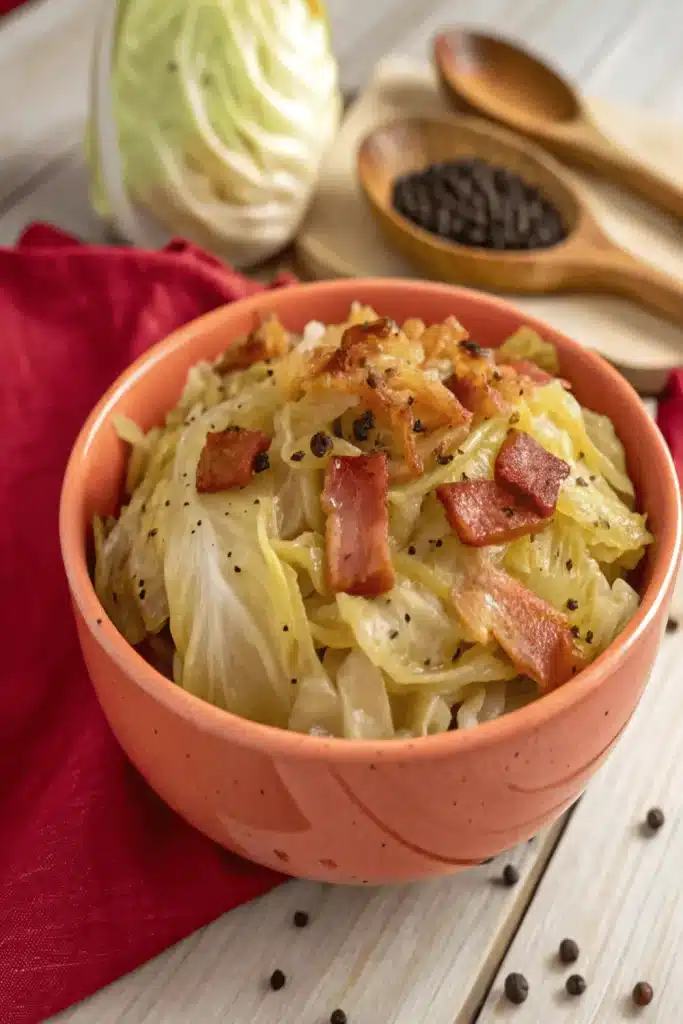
(223, 111)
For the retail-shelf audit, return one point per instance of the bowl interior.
(153, 384)
(411, 144)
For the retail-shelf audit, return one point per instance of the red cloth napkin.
(670, 418)
(96, 874)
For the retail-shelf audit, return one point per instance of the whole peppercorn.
(642, 993)
(516, 988)
(575, 985)
(568, 951)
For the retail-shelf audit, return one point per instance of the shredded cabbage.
(230, 590)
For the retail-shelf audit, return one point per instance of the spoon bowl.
(490, 76)
(585, 261)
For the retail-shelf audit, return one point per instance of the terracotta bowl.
(361, 811)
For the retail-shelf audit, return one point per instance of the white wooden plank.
(419, 952)
(44, 62)
(613, 890)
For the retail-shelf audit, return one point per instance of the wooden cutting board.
(339, 237)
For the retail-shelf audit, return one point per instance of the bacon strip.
(482, 512)
(482, 400)
(530, 472)
(227, 459)
(357, 531)
(535, 636)
(269, 341)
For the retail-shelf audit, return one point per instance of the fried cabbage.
(238, 578)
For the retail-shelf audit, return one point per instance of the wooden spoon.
(587, 261)
(489, 76)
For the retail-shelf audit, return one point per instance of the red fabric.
(670, 418)
(9, 5)
(96, 874)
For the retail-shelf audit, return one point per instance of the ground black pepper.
(574, 630)
(285, 629)
(643, 993)
(510, 875)
(300, 919)
(568, 951)
(580, 482)
(261, 462)
(569, 565)
(516, 988)
(443, 460)
(438, 543)
(407, 617)
(297, 456)
(321, 444)
(237, 569)
(411, 549)
(143, 594)
(393, 634)
(655, 818)
(278, 980)
(589, 636)
(418, 428)
(572, 604)
(575, 985)
(363, 425)
(671, 626)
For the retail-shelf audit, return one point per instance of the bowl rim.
(273, 739)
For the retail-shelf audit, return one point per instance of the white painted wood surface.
(426, 952)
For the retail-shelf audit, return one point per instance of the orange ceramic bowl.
(361, 811)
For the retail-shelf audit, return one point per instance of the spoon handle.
(615, 271)
(585, 146)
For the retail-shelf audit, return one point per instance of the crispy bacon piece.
(357, 532)
(535, 636)
(482, 400)
(528, 470)
(268, 341)
(482, 512)
(227, 459)
(358, 342)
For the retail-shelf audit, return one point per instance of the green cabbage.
(224, 110)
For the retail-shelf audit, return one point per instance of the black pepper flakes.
(507, 511)
(575, 985)
(471, 347)
(321, 444)
(568, 951)
(285, 629)
(418, 428)
(297, 456)
(338, 1017)
(574, 630)
(237, 569)
(143, 594)
(372, 380)
(572, 604)
(516, 988)
(655, 818)
(443, 460)
(167, 503)
(293, 680)
(643, 993)
(589, 636)
(411, 549)
(510, 875)
(438, 543)
(393, 634)
(300, 919)
(278, 980)
(580, 482)
(407, 617)
(363, 425)
(569, 565)
(671, 626)
(153, 533)
(261, 462)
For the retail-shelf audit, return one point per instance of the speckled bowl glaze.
(354, 811)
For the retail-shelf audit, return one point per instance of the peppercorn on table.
(583, 923)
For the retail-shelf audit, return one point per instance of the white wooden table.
(436, 952)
